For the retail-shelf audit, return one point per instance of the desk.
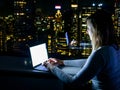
(16, 74)
(28, 80)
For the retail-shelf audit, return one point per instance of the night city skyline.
(27, 21)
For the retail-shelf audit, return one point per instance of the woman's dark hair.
(103, 25)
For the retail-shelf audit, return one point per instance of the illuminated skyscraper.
(24, 11)
(3, 27)
(117, 19)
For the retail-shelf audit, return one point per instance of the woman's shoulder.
(107, 49)
(104, 48)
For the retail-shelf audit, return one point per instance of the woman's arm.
(91, 68)
(75, 62)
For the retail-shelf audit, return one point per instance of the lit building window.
(100, 4)
(93, 4)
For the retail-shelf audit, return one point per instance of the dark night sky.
(6, 7)
(48, 6)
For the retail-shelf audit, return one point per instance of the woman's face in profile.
(89, 29)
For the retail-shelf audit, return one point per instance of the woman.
(102, 67)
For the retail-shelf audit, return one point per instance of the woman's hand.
(55, 61)
(48, 65)
(51, 62)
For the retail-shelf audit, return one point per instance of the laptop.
(39, 55)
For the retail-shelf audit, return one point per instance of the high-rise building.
(3, 27)
(117, 19)
(24, 12)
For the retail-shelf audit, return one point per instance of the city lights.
(28, 24)
(57, 7)
(74, 5)
(99, 5)
(93, 4)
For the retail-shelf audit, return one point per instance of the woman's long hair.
(103, 33)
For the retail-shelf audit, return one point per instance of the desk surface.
(16, 73)
(14, 65)
(20, 66)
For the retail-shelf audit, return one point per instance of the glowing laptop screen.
(38, 54)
